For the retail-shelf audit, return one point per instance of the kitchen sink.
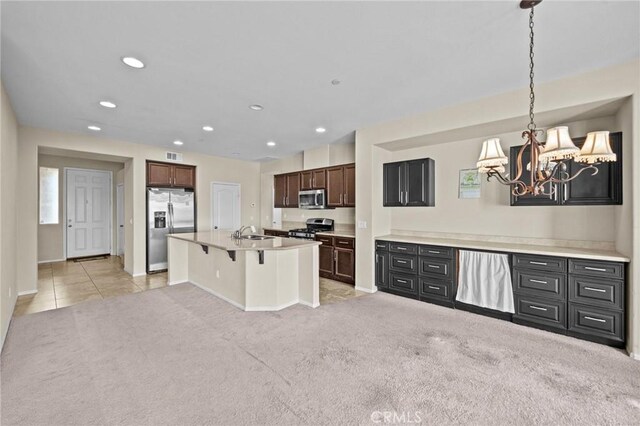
(256, 237)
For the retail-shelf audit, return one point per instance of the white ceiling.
(207, 62)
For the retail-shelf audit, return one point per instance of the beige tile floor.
(335, 291)
(63, 284)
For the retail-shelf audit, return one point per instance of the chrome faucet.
(238, 233)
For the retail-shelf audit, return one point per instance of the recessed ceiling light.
(320, 130)
(177, 143)
(133, 62)
(271, 143)
(335, 82)
(107, 104)
(94, 128)
(235, 154)
(256, 107)
(207, 128)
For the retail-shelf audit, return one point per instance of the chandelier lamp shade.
(548, 160)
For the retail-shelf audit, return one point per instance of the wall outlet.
(362, 224)
(217, 273)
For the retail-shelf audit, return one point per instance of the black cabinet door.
(530, 200)
(394, 177)
(419, 183)
(603, 188)
(382, 269)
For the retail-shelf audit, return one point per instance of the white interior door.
(88, 212)
(225, 208)
(120, 218)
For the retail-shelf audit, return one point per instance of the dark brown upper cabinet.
(604, 188)
(170, 175)
(313, 179)
(409, 183)
(286, 188)
(341, 186)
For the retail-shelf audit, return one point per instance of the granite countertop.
(222, 240)
(579, 253)
(339, 233)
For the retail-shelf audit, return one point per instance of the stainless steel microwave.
(312, 199)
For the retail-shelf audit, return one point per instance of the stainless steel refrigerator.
(169, 211)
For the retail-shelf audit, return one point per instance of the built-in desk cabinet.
(578, 297)
(409, 183)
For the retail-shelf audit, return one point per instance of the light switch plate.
(362, 224)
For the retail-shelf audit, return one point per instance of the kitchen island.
(253, 275)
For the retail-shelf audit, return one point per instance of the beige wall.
(51, 237)
(8, 220)
(324, 156)
(491, 214)
(465, 125)
(209, 169)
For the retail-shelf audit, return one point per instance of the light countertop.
(580, 253)
(222, 240)
(339, 233)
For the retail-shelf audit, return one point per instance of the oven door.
(314, 199)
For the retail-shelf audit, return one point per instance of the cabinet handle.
(565, 193)
(538, 281)
(401, 261)
(433, 251)
(401, 248)
(346, 197)
(434, 266)
(537, 308)
(590, 268)
(599, 290)
(343, 242)
(434, 287)
(538, 263)
(595, 319)
(401, 281)
(401, 197)
(340, 198)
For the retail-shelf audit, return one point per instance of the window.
(49, 196)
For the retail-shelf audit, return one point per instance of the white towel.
(485, 280)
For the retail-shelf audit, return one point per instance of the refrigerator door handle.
(170, 209)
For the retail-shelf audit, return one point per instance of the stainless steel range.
(313, 226)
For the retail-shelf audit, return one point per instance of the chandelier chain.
(532, 96)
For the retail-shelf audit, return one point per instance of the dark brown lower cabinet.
(582, 298)
(276, 233)
(337, 258)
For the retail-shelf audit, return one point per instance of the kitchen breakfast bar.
(254, 275)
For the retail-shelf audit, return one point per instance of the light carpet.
(179, 355)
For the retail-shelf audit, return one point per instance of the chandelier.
(547, 160)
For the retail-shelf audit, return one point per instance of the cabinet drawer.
(539, 283)
(542, 311)
(403, 263)
(344, 242)
(382, 245)
(435, 267)
(594, 268)
(435, 288)
(403, 283)
(596, 292)
(436, 251)
(405, 248)
(596, 322)
(325, 239)
(544, 263)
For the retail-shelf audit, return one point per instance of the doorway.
(225, 206)
(120, 221)
(88, 212)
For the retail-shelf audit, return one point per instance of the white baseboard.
(27, 292)
(366, 290)
(634, 355)
(52, 261)
(311, 305)
(270, 308)
(139, 275)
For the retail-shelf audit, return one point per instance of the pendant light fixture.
(547, 160)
